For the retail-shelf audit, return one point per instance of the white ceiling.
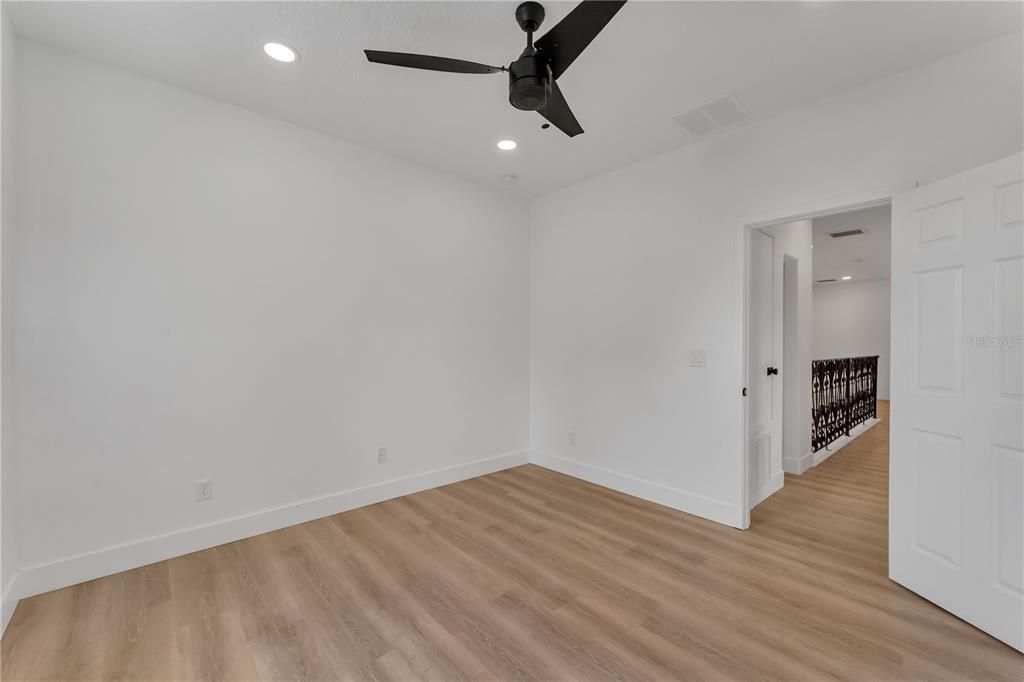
(863, 256)
(653, 62)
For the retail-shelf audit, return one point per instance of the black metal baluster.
(844, 393)
(847, 364)
(874, 387)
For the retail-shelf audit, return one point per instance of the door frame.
(759, 220)
(791, 267)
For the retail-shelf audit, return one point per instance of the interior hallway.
(526, 574)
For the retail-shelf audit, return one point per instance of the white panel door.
(764, 467)
(956, 507)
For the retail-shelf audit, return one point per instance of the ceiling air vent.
(711, 117)
(846, 233)
(822, 281)
(696, 122)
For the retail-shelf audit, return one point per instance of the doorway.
(954, 458)
(782, 337)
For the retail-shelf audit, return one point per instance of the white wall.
(9, 490)
(203, 292)
(851, 319)
(794, 239)
(632, 269)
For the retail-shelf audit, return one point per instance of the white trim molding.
(8, 602)
(708, 508)
(798, 465)
(53, 575)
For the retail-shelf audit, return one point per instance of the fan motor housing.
(527, 82)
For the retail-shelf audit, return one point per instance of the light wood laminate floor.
(526, 574)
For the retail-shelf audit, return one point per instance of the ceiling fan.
(532, 78)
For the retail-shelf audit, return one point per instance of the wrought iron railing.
(844, 395)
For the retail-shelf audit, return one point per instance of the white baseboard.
(715, 510)
(8, 602)
(72, 570)
(767, 490)
(838, 444)
(798, 465)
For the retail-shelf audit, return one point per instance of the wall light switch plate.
(382, 455)
(698, 358)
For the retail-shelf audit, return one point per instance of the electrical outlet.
(572, 439)
(382, 455)
(204, 490)
(698, 358)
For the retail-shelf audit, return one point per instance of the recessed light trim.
(281, 52)
(507, 145)
(846, 277)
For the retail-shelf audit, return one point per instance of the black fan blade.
(422, 61)
(569, 37)
(557, 110)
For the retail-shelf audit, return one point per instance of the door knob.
(773, 370)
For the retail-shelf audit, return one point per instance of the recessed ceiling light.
(846, 277)
(507, 145)
(510, 179)
(280, 52)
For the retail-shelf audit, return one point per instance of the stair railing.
(844, 395)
